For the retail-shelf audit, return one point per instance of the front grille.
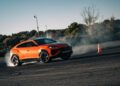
(66, 48)
(53, 52)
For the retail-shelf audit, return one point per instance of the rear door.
(28, 50)
(32, 50)
(23, 50)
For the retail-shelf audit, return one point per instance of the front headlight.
(52, 47)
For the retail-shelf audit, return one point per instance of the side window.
(30, 44)
(22, 45)
(27, 44)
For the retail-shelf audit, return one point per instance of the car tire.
(44, 57)
(15, 61)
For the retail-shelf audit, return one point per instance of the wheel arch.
(14, 52)
(42, 50)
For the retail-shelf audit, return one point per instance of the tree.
(33, 33)
(71, 28)
(75, 30)
(90, 15)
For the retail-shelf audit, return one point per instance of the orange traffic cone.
(99, 49)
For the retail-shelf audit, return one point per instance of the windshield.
(45, 41)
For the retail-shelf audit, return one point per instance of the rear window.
(27, 44)
(45, 41)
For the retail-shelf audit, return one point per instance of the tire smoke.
(7, 59)
(83, 49)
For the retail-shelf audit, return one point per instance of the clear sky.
(17, 15)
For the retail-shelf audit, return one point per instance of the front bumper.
(65, 51)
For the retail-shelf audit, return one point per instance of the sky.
(18, 15)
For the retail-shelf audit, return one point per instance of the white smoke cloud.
(82, 49)
(8, 59)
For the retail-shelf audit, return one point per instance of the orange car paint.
(34, 51)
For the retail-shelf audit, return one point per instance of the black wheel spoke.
(44, 57)
(15, 60)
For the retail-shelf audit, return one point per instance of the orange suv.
(40, 49)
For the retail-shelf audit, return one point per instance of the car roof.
(31, 39)
(37, 38)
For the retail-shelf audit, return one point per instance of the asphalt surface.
(89, 69)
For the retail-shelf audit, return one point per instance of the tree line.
(75, 33)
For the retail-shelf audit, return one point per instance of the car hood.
(58, 44)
